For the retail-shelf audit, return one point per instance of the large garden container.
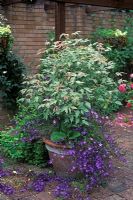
(62, 159)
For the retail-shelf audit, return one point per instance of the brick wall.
(31, 24)
(87, 18)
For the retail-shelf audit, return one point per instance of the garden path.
(120, 186)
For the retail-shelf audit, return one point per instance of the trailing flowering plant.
(128, 90)
(92, 157)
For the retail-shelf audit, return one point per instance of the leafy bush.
(75, 76)
(23, 141)
(121, 47)
(115, 38)
(11, 69)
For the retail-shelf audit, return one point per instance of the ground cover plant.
(22, 140)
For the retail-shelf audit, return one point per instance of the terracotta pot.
(61, 159)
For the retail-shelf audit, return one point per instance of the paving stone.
(26, 198)
(117, 185)
(128, 194)
(3, 197)
(114, 197)
(44, 196)
(101, 193)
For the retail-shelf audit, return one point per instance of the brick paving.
(120, 187)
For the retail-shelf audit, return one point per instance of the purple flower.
(7, 190)
(99, 163)
(84, 133)
(40, 182)
(4, 173)
(88, 198)
(63, 190)
(24, 139)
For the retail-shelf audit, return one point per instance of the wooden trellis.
(60, 9)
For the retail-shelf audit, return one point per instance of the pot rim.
(54, 145)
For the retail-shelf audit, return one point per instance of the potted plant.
(6, 38)
(65, 142)
(74, 78)
(60, 147)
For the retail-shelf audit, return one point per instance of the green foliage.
(57, 136)
(5, 31)
(120, 43)
(12, 146)
(75, 76)
(61, 136)
(11, 68)
(6, 38)
(22, 142)
(51, 37)
(80, 184)
(109, 33)
(11, 77)
(129, 94)
(9, 142)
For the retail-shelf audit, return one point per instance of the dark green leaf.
(57, 136)
(74, 135)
